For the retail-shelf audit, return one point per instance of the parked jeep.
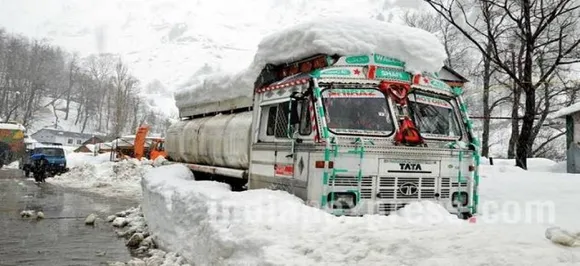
(53, 153)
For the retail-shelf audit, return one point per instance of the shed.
(572, 116)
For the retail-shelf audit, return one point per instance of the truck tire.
(26, 173)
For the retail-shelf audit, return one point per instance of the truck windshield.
(49, 152)
(357, 111)
(434, 116)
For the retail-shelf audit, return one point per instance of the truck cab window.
(271, 120)
(434, 116)
(305, 121)
(282, 120)
(277, 124)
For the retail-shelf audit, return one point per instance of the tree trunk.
(524, 144)
(486, 107)
(511, 154)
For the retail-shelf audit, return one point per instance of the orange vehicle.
(156, 148)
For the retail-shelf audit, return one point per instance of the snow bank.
(419, 49)
(12, 165)
(515, 196)
(210, 225)
(74, 159)
(534, 165)
(117, 179)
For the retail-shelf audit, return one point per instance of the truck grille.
(389, 187)
(446, 186)
(351, 181)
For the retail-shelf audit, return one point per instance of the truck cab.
(356, 134)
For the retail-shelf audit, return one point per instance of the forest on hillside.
(97, 93)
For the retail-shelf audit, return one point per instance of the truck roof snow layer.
(420, 51)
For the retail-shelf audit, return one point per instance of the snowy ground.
(264, 227)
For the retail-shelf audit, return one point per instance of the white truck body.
(331, 165)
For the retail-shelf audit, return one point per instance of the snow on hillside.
(264, 227)
(52, 116)
(166, 42)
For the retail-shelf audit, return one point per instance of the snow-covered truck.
(11, 142)
(348, 115)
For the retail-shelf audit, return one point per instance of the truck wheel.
(465, 215)
(26, 173)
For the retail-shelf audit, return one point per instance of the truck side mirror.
(295, 114)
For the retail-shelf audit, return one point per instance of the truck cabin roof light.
(303, 67)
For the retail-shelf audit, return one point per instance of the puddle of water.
(54, 241)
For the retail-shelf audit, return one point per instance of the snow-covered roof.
(69, 134)
(420, 50)
(566, 111)
(12, 126)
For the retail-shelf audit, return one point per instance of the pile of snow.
(264, 227)
(419, 49)
(534, 165)
(76, 159)
(535, 197)
(219, 87)
(12, 165)
(119, 179)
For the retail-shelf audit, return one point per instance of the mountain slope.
(167, 43)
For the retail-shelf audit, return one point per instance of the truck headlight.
(341, 200)
(459, 198)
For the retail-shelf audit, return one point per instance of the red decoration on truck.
(398, 91)
(408, 134)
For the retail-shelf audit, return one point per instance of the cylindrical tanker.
(222, 140)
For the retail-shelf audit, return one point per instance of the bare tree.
(529, 21)
(73, 70)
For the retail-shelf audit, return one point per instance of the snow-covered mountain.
(168, 43)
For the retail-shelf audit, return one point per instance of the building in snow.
(572, 116)
(89, 145)
(66, 138)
